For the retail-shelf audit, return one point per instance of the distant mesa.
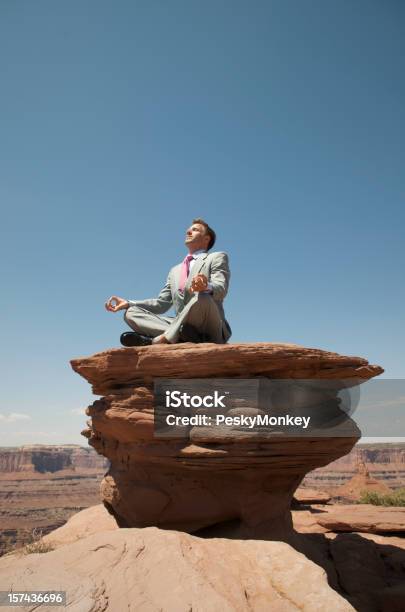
(43, 459)
(41, 486)
(385, 463)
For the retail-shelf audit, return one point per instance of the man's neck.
(196, 251)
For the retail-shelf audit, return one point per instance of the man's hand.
(199, 283)
(115, 303)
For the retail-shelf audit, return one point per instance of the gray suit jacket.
(215, 266)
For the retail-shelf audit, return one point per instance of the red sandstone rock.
(360, 483)
(83, 524)
(311, 496)
(102, 570)
(117, 368)
(385, 462)
(362, 517)
(304, 521)
(142, 570)
(368, 569)
(205, 480)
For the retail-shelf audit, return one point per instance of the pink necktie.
(185, 269)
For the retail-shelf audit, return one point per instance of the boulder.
(362, 518)
(142, 570)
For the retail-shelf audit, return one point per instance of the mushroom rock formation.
(235, 480)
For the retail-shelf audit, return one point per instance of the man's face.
(196, 238)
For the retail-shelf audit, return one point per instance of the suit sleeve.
(158, 305)
(219, 276)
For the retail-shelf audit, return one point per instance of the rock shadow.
(368, 574)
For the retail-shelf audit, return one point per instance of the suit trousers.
(201, 311)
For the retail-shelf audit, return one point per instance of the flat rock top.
(125, 366)
(311, 496)
(361, 517)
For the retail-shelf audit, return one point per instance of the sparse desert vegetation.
(396, 498)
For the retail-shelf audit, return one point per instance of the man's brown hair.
(208, 230)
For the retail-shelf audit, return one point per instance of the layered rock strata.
(210, 478)
(384, 461)
(41, 459)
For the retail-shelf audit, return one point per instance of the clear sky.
(280, 122)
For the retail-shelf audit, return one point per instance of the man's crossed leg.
(201, 313)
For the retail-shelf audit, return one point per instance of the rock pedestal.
(241, 482)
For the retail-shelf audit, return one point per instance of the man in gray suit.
(195, 288)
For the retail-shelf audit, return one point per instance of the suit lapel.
(176, 276)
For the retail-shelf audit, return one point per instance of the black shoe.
(189, 333)
(134, 339)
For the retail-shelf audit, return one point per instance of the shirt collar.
(198, 253)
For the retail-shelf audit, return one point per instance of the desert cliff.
(42, 486)
(40, 458)
(385, 461)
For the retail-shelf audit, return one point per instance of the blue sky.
(280, 122)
